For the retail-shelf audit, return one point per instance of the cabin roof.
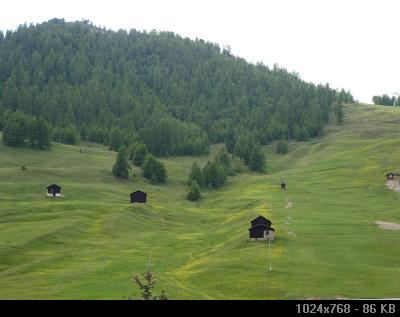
(138, 191)
(53, 186)
(261, 218)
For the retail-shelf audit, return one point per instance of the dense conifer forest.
(173, 94)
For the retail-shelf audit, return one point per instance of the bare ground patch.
(393, 185)
(388, 225)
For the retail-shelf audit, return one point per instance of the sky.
(350, 44)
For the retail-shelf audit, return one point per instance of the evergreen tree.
(257, 159)
(224, 159)
(116, 140)
(43, 134)
(69, 135)
(160, 172)
(121, 166)
(57, 134)
(17, 129)
(214, 175)
(147, 286)
(140, 154)
(84, 132)
(243, 147)
(194, 192)
(339, 114)
(196, 175)
(154, 169)
(230, 139)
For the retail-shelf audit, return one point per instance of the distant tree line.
(385, 100)
(172, 94)
(343, 96)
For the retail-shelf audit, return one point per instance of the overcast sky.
(347, 43)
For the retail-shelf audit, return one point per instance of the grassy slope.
(87, 244)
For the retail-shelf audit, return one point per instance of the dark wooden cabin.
(261, 232)
(260, 220)
(283, 186)
(138, 197)
(54, 190)
(390, 175)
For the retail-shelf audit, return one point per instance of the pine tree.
(17, 129)
(147, 285)
(194, 192)
(140, 153)
(43, 134)
(224, 159)
(84, 132)
(257, 159)
(196, 174)
(214, 175)
(160, 172)
(148, 166)
(69, 135)
(230, 139)
(116, 140)
(243, 147)
(339, 114)
(121, 166)
(154, 169)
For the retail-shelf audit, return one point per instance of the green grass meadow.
(87, 244)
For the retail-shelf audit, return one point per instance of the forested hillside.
(174, 94)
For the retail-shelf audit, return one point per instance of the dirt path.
(393, 185)
(388, 225)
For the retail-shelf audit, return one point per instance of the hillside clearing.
(87, 244)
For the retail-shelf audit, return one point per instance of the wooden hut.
(390, 175)
(261, 232)
(261, 229)
(53, 190)
(138, 197)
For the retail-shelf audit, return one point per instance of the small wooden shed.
(261, 232)
(138, 197)
(53, 190)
